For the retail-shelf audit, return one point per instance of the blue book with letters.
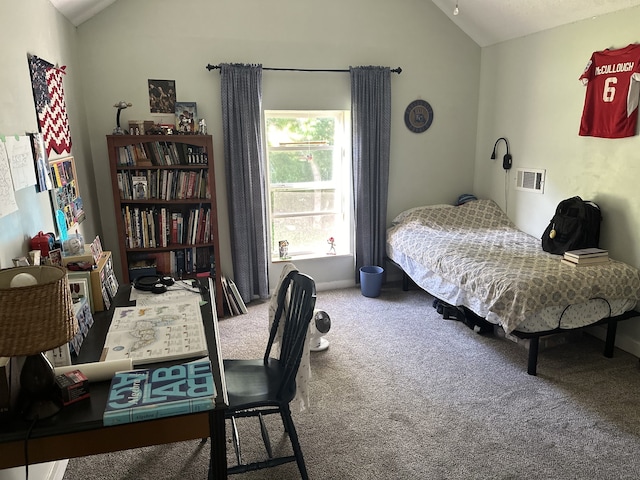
(146, 394)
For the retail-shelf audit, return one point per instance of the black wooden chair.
(266, 386)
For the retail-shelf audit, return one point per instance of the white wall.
(530, 93)
(35, 27)
(131, 42)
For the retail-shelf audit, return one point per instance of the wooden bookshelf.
(166, 216)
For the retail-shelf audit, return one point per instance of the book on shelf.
(586, 253)
(139, 187)
(146, 394)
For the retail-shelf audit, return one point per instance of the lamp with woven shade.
(36, 315)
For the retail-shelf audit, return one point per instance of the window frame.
(341, 184)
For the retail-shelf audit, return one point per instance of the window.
(309, 159)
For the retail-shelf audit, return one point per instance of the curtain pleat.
(371, 138)
(241, 88)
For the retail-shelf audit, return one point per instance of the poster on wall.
(162, 96)
(48, 95)
(7, 195)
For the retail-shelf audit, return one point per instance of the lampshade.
(35, 318)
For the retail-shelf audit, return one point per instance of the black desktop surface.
(87, 414)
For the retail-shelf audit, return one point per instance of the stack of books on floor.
(234, 305)
(585, 257)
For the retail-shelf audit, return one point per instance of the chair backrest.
(296, 303)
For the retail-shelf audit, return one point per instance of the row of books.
(153, 227)
(189, 261)
(178, 263)
(233, 302)
(163, 184)
(161, 153)
(585, 257)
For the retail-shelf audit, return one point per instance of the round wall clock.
(418, 116)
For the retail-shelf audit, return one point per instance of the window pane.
(302, 201)
(294, 166)
(306, 235)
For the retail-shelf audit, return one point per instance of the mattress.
(472, 255)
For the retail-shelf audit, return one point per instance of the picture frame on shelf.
(80, 286)
(186, 117)
(55, 257)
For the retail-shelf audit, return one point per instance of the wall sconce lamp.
(507, 160)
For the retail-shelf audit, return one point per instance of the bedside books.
(145, 394)
(585, 256)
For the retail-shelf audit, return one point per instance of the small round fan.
(320, 324)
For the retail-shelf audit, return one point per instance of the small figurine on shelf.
(332, 246)
(120, 106)
(283, 246)
(202, 127)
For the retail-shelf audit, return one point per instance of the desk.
(77, 430)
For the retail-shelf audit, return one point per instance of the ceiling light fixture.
(456, 10)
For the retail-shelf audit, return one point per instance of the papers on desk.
(156, 333)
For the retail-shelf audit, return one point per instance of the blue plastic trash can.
(371, 280)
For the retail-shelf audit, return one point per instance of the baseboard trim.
(623, 341)
(335, 285)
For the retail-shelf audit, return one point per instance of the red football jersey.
(613, 85)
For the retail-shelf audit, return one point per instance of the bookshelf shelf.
(164, 199)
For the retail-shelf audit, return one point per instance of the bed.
(473, 256)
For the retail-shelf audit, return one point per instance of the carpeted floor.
(403, 394)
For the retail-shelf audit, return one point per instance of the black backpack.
(576, 224)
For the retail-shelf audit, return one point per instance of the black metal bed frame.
(534, 338)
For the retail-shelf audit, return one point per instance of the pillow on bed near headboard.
(475, 214)
(415, 213)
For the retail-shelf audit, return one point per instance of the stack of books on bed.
(585, 257)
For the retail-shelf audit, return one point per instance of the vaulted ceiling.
(486, 21)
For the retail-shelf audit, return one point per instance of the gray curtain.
(241, 87)
(371, 134)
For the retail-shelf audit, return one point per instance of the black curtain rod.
(214, 67)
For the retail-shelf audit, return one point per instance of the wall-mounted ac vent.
(530, 179)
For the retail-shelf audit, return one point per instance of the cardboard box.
(84, 257)
(72, 387)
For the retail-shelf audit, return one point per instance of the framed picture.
(55, 257)
(162, 96)
(186, 117)
(80, 285)
(65, 195)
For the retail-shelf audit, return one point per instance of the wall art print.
(48, 94)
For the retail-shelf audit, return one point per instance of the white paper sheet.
(7, 195)
(23, 170)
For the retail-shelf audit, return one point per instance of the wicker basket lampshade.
(35, 318)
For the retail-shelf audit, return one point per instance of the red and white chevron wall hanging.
(48, 94)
